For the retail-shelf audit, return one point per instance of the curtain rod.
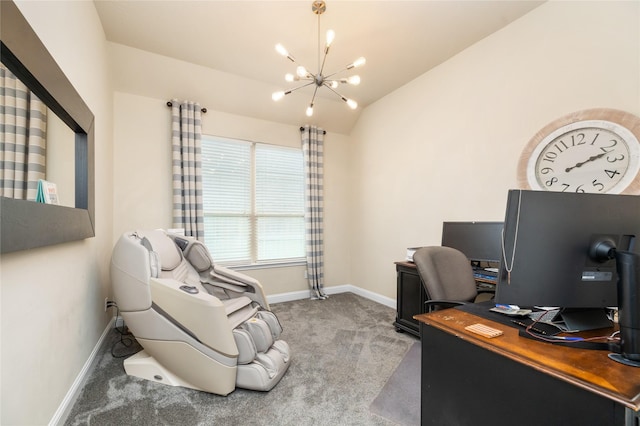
(324, 132)
(201, 109)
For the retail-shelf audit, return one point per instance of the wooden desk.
(468, 379)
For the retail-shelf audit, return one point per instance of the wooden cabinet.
(410, 298)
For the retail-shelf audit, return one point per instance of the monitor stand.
(585, 319)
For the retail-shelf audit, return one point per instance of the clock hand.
(592, 158)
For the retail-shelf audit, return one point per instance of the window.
(253, 197)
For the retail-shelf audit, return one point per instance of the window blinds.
(253, 197)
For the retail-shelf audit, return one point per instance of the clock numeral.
(566, 186)
(609, 148)
(620, 157)
(563, 147)
(546, 170)
(595, 138)
(597, 185)
(579, 189)
(550, 156)
(579, 139)
(551, 181)
(611, 173)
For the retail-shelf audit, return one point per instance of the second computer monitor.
(479, 241)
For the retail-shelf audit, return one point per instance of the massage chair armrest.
(227, 279)
(222, 275)
(202, 314)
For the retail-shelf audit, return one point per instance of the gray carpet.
(344, 349)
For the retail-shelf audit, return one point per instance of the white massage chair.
(202, 326)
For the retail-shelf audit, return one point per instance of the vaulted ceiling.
(400, 40)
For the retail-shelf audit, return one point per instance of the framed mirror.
(26, 224)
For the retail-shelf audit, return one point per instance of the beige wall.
(142, 184)
(52, 298)
(445, 146)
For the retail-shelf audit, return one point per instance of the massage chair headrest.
(168, 252)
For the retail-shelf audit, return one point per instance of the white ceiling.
(400, 40)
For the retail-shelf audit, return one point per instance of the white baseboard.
(69, 399)
(67, 403)
(346, 288)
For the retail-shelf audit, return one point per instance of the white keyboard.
(484, 330)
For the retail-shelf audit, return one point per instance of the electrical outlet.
(106, 303)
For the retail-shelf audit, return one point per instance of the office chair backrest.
(446, 274)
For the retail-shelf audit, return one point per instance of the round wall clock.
(595, 150)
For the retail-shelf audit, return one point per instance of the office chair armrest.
(430, 304)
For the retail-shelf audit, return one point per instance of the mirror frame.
(27, 224)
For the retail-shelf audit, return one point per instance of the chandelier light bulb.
(357, 63)
(289, 77)
(301, 71)
(276, 96)
(331, 35)
(354, 80)
(352, 104)
(334, 84)
(281, 50)
(310, 110)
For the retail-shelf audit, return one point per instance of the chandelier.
(319, 79)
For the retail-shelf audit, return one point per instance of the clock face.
(585, 156)
(594, 150)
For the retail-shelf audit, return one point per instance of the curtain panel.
(313, 151)
(186, 135)
(23, 130)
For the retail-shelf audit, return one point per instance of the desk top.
(589, 369)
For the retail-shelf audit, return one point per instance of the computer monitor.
(548, 244)
(479, 241)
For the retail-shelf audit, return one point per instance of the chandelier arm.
(292, 59)
(337, 72)
(315, 90)
(324, 58)
(299, 87)
(331, 88)
(298, 78)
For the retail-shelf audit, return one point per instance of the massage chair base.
(194, 371)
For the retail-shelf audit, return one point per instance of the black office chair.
(447, 277)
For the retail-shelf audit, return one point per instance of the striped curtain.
(23, 130)
(313, 151)
(186, 134)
